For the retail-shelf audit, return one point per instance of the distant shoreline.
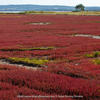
(91, 13)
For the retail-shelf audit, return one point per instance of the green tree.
(79, 7)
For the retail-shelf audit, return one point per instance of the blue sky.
(53, 2)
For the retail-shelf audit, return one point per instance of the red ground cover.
(70, 70)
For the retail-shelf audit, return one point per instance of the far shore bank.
(53, 12)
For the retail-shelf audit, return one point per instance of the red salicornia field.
(49, 57)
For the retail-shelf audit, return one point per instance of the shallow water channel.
(39, 23)
(90, 36)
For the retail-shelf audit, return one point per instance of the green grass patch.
(26, 49)
(29, 61)
(89, 55)
(68, 13)
(96, 61)
(38, 48)
(94, 54)
(74, 34)
(36, 12)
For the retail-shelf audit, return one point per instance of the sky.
(53, 2)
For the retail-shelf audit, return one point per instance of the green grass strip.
(26, 49)
(28, 60)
